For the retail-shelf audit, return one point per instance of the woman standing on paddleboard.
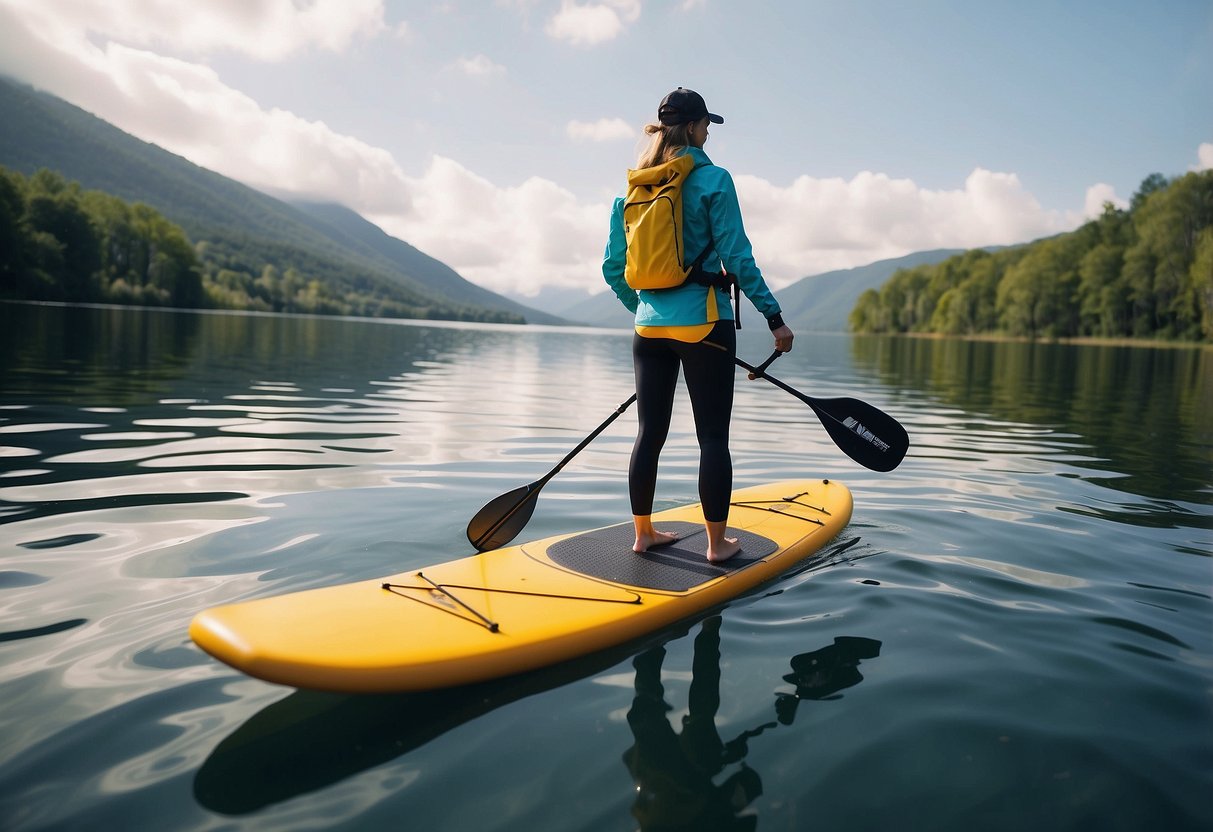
(690, 325)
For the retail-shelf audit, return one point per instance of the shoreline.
(1090, 341)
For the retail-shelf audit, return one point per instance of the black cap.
(682, 106)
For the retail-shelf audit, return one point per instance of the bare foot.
(727, 547)
(644, 542)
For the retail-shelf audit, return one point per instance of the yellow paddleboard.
(521, 607)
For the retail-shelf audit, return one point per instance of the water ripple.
(1037, 582)
(49, 629)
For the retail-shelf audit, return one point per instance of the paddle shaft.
(530, 493)
(618, 412)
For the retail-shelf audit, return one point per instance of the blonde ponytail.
(665, 143)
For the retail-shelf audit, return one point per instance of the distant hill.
(603, 309)
(554, 300)
(244, 228)
(820, 303)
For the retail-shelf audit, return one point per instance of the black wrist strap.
(775, 321)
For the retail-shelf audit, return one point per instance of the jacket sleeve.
(614, 260)
(734, 247)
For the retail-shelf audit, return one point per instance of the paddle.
(867, 435)
(503, 517)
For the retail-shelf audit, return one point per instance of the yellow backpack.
(652, 226)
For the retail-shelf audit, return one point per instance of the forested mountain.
(822, 302)
(1143, 272)
(254, 251)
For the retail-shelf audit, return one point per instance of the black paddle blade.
(502, 518)
(867, 435)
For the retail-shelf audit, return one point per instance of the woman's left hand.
(783, 338)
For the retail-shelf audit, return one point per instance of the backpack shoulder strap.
(698, 261)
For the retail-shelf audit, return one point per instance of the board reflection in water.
(309, 741)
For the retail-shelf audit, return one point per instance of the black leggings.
(709, 376)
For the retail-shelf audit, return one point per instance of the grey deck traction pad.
(607, 554)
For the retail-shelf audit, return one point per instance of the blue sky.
(494, 134)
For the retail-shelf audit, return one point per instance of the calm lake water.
(1014, 632)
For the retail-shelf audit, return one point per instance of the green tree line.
(60, 242)
(1141, 272)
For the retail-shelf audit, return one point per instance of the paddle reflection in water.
(675, 773)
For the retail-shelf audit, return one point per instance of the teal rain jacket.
(709, 203)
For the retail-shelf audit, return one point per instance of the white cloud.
(592, 23)
(538, 234)
(1204, 156)
(479, 66)
(268, 30)
(602, 130)
(515, 239)
(816, 225)
(1097, 195)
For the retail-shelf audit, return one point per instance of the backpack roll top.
(652, 225)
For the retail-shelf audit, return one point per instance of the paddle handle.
(760, 370)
